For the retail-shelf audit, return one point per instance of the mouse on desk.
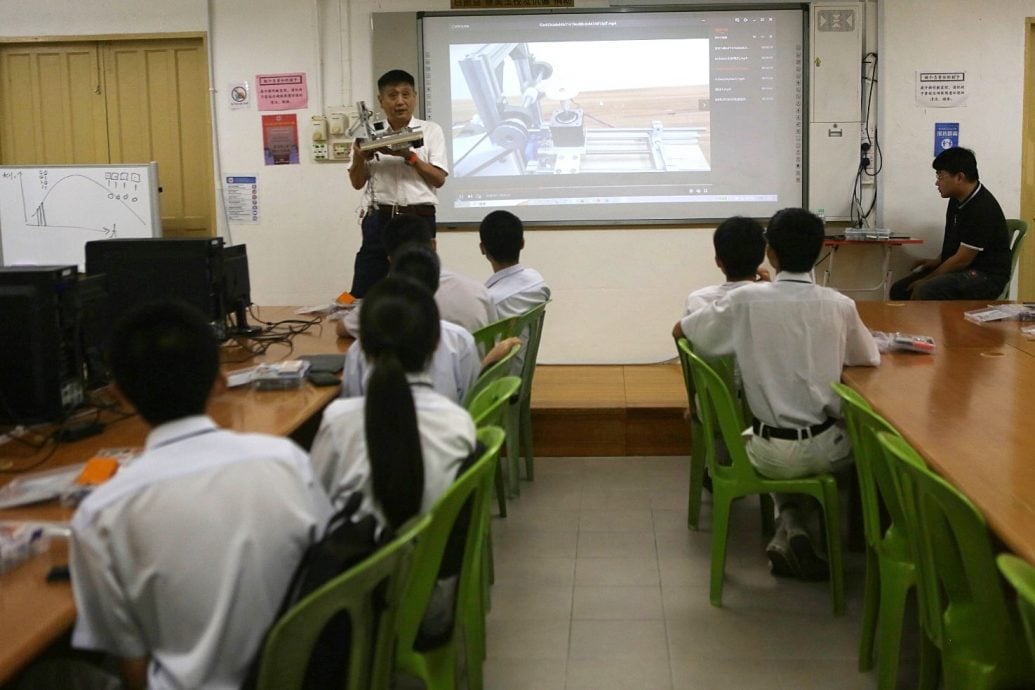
(59, 573)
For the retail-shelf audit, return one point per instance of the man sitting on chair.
(514, 288)
(791, 339)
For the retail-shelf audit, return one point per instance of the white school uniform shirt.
(342, 464)
(516, 289)
(791, 339)
(453, 369)
(184, 556)
(706, 295)
(459, 299)
(392, 181)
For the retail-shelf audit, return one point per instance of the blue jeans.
(968, 284)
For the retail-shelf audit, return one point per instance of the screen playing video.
(620, 116)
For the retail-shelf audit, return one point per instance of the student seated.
(739, 251)
(455, 364)
(402, 444)
(180, 561)
(791, 339)
(514, 288)
(461, 300)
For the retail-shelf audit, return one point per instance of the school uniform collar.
(178, 430)
(789, 277)
(503, 273)
(420, 379)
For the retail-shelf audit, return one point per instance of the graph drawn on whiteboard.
(47, 214)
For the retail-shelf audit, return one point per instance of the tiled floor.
(599, 585)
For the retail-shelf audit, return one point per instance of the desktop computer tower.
(42, 376)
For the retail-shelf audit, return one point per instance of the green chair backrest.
(955, 557)
(1021, 576)
(876, 483)
(529, 326)
(285, 656)
(494, 372)
(487, 336)
(472, 486)
(1017, 229)
(719, 414)
(725, 367)
(488, 406)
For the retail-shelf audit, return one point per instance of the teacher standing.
(400, 180)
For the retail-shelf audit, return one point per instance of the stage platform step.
(609, 410)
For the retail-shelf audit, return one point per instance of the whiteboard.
(48, 214)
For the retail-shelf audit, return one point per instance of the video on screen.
(549, 108)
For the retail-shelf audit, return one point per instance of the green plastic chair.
(890, 567)
(1017, 229)
(963, 606)
(487, 408)
(739, 478)
(519, 416)
(437, 667)
(1021, 575)
(487, 336)
(724, 367)
(286, 653)
(494, 372)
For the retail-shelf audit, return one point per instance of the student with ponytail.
(401, 444)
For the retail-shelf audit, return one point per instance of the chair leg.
(871, 601)
(697, 470)
(835, 549)
(720, 531)
(526, 439)
(501, 490)
(893, 595)
(512, 427)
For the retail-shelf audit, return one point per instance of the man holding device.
(398, 178)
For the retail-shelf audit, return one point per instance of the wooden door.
(52, 105)
(116, 101)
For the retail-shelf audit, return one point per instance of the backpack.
(346, 541)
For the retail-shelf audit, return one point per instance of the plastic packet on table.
(60, 482)
(19, 541)
(280, 376)
(903, 342)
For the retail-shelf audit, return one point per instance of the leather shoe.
(811, 566)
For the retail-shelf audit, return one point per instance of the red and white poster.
(282, 91)
(280, 139)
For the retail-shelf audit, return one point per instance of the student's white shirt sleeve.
(710, 330)
(468, 366)
(860, 347)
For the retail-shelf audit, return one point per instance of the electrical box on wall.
(835, 107)
(332, 134)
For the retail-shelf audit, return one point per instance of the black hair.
(400, 326)
(164, 356)
(419, 262)
(395, 76)
(502, 235)
(796, 236)
(740, 246)
(957, 160)
(404, 228)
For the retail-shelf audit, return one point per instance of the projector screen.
(603, 117)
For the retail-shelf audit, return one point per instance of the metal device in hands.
(376, 133)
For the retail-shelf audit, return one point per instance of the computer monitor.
(237, 290)
(144, 270)
(42, 377)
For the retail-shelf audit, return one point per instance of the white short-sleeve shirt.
(392, 181)
(454, 366)
(342, 464)
(184, 556)
(516, 289)
(791, 339)
(706, 295)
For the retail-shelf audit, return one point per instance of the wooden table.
(835, 242)
(965, 408)
(33, 613)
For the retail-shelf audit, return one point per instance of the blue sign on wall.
(946, 135)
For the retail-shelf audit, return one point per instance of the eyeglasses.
(942, 175)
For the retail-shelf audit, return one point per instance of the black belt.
(766, 431)
(413, 209)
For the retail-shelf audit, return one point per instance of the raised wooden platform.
(609, 410)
